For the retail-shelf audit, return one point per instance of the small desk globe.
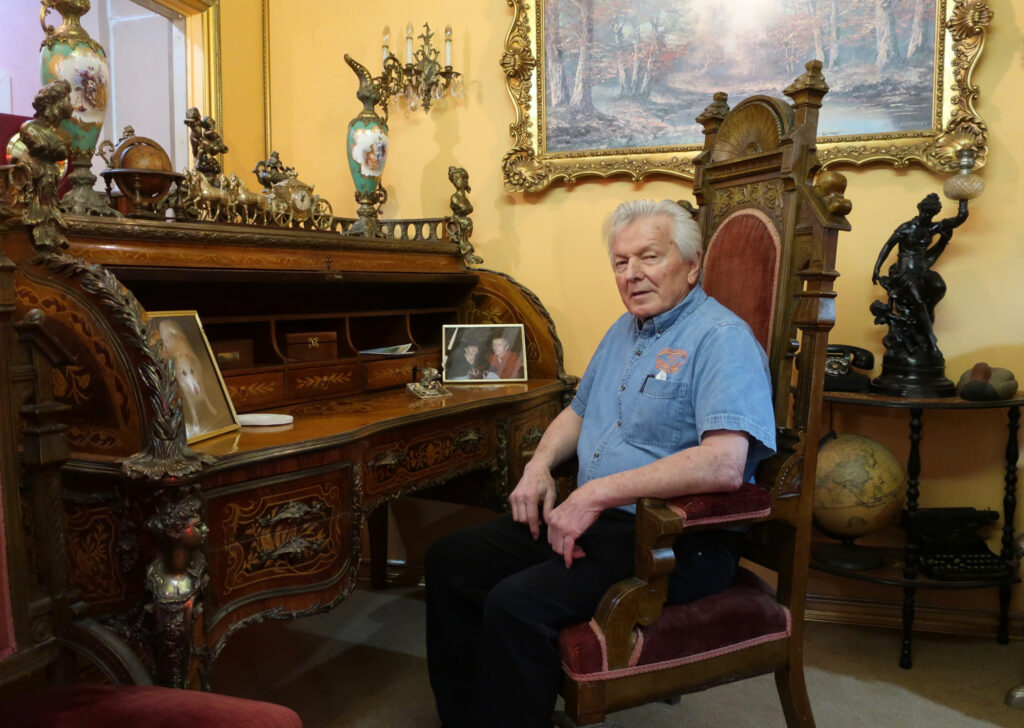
(859, 489)
(142, 172)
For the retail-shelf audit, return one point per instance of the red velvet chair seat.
(741, 616)
(123, 706)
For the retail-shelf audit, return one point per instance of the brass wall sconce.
(422, 80)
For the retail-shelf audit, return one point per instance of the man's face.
(500, 346)
(650, 273)
(471, 352)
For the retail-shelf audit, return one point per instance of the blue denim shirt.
(654, 388)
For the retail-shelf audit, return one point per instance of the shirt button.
(619, 423)
(639, 352)
(622, 387)
(597, 455)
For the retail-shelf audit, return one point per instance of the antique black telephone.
(840, 363)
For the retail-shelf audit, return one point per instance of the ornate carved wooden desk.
(176, 548)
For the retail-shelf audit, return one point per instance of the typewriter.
(950, 547)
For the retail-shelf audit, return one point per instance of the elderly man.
(503, 363)
(675, 400)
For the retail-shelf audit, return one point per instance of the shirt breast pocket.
(658, 415)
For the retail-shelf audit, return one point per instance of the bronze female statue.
(912, 352)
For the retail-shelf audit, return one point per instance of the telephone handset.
(841, 361)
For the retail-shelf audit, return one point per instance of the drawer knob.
(469, 439)
(292, 550)
(293, 511)
(390, 459)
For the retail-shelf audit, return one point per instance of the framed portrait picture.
(484, 353)
(614, 87)
(205, 403)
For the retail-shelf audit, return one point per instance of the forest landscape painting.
(634, 74)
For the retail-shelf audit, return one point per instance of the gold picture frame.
(532, 164)
(206, 405)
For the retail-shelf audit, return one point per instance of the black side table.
(910, 579)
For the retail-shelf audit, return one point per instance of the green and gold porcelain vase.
(366, 145)
(69, 53)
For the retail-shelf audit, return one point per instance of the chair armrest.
(638, 600)
(749, 502)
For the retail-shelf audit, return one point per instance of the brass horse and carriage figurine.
(142, 172)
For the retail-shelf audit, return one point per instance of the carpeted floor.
(363, 666)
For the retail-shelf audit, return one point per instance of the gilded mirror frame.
(960, 31)
(202, 22)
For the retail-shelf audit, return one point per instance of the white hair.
(684, 231)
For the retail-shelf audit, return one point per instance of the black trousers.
(496, 600)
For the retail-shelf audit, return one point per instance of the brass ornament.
(459, 225)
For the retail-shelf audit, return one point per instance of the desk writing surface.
(342, 420)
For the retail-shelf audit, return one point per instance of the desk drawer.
(318, 382)
(387, 373)
(251, 391)
(426, 454)
(280, 533)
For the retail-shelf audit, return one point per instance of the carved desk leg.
(176, 578)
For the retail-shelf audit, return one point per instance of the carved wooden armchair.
(769, 230)
(41, 621)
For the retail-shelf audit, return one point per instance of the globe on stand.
(142, 172)
(859, 489)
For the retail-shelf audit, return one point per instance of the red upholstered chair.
(41, 626)
(769, 222)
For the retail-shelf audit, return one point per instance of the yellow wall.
(550, 242)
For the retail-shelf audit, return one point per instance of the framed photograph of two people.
(484, 353)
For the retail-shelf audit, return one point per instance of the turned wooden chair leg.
(796, 706)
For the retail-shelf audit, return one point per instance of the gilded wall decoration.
(612, 87)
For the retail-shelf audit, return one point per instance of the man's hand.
(569, 521)
(536, 490)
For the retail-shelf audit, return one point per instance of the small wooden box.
(312, 346)
(233, 353)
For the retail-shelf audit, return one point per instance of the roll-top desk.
(176, 547)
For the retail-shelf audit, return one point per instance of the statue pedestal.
(906, 380)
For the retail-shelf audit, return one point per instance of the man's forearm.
(716, 465)
(559, 441)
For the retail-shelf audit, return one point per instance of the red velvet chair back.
(741, 268)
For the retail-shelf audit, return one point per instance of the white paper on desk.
(388, 350)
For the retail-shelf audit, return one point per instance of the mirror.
(163, 56)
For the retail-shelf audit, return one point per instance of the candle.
(408, 44)
(448, 46)
(384, 52)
